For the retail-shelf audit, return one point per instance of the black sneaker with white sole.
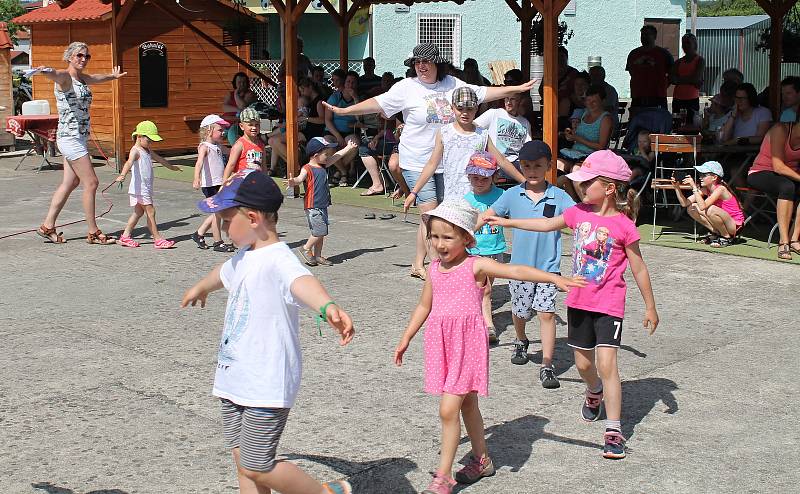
(520, 356)
(547, 375)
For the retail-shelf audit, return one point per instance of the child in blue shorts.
(534, 198)
(489, 240)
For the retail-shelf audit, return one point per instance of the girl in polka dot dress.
(456, 338)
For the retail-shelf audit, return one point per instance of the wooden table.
(734, 157)
(40, 128)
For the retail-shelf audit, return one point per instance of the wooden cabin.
(6, 84)
(184, 76)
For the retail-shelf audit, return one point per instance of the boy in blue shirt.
(534, 198)
(489, 240)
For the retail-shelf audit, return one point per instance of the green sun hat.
(148, 129)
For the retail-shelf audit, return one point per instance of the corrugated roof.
(79, 10)
(729, 22)
(5, 40)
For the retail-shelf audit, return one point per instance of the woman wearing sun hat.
(424, 101)
(73, 99)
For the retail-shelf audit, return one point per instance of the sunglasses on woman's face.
(83, 56)
(422, 61)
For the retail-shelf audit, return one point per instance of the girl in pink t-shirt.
(456, 338)
(606, 240)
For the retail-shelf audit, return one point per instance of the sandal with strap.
(163, 243)
(50, 235)
(99, 238)
(784, 254)
(796, 251)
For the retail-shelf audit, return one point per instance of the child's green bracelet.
(323, 315)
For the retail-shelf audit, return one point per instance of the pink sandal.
(163, 243)
(126, 241)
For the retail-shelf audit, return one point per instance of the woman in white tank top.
(73, 99)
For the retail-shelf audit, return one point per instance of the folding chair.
(622, 127)
(662, 173)
(757, 204)
(383, 164)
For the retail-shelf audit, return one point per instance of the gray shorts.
(528, 298)
(501, 257)
(317, 221)
(255, 431)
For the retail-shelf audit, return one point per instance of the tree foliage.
(10, 9)
(718, 8)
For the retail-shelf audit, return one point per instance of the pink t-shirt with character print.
(599, 256)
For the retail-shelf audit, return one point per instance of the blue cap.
(533, 150)
(711, 167)
(317, 144)
(248, 188)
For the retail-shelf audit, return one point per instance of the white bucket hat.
(458, 212)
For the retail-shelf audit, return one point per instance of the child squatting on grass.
(259, 360)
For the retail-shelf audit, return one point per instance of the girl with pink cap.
(606, 240)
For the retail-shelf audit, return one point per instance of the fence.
(269, 94)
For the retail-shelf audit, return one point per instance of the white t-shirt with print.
(508, 133)
(425, 108)
(259, 362)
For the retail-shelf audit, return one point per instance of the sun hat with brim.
(711, 167)
(482, 163)
(248, 188)
(458, 212)
(148, 129)
(424, 51)
(214, 119)
(603, 163)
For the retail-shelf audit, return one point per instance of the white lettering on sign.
(150, 46)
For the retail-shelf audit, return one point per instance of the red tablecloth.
(44, 126)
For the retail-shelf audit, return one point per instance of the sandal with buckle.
(796, 251)
(784, 254)
(199, 240)
(99, 238)
(49, 234)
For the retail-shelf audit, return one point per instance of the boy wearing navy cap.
(259, 359)
(534, 198)
(314, 177)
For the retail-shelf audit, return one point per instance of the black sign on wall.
(153, 75)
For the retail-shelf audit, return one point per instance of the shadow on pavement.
(640, 396)
(54, 489)
(345, 256)
(384, 475)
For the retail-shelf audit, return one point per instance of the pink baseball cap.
(214, 119)
(603, 163)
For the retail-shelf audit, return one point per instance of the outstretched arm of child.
(199, 292)
(236, 152)
(483, 216)
(418, 318)
(484, 267)
(427, 172)
(350, 145)
(532, 224)
(299, 179)
(198, 165)
(133, 155)
(310, 291)
(164, 162)
(503, 162)
(642, 277)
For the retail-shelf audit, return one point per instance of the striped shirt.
(318, 194)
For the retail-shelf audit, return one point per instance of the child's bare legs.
(449, 414)
(701, 218)
(473, 422)
(547, 330)
(486, 306)
(150, 211)
(314, 245)
(212, 223)
(285, 478)
(138, 212)
(607, 379)
(519, 327)
(722, 221)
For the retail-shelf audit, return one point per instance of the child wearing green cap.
(140, 191)
(248, 151)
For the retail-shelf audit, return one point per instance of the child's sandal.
(50, 235)
(99, 238)
(199, 240)
(784, 252)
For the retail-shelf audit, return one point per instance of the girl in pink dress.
(456, 338)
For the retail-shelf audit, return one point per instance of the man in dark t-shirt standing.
(649, 66)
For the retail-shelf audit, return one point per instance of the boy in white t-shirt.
(508, 129)
(259, 361)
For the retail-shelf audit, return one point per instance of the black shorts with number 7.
(588, 330)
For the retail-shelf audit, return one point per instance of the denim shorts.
(72, 147)
(433, 190)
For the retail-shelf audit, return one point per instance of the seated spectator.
(235, 101)
(507, 128)
(597, 76)
(318, 77)
(733, 76)
(776, 171)
(369, 81)
(383, 144)
(713, 204)
(749, 122)
(472, 74)
(593, 133)
(387, 81)
(571, 108)
(342, 128)
(715, 116)
(643, 159)
(790, 98)
(653, 120)
(687, 76)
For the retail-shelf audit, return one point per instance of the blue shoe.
(590, 411)
(614, 448)
(337, 487)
